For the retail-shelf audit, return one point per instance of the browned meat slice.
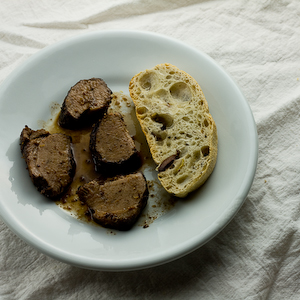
(112, 147)
(49, 160)
(85, 103)
(116, 203)
(28, 134)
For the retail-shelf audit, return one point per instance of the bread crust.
(180, 131)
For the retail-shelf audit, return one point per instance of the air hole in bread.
(169, 77)
(205, 150)
(146, 85)
(181, 91)
(164, 119)
(147, 81)
(159, 136)
(179, 164)
(205, 123)
(196, 155)
(141, 110)
(182, 179)
(187, 119)
(162, 94)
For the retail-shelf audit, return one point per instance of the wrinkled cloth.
(257, 255)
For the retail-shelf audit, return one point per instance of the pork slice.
(49, 159)
(116, 203)
(113, 149)
(85, 103)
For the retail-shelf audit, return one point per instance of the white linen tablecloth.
(257, 256)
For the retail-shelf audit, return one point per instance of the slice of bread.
(181, 133)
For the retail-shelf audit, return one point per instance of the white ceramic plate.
(116, 56)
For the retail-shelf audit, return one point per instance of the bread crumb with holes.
(180, 131)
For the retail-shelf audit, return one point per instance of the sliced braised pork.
(112, 147)
(116, 203)
(49, 160)
(85, 103)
